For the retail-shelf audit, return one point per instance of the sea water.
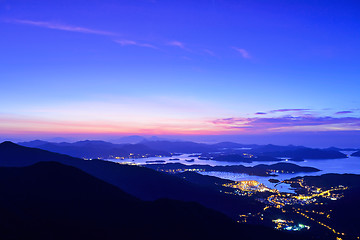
(343, 165)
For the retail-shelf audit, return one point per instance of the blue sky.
(179, 67)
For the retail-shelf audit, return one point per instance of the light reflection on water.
(346, 165)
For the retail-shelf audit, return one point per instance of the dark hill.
(241, 158)
(274, 148)
(13, 155)
(332, 180)
(34, 143)
(203, 180)
(227, 145)
(232, 158)
(258, 170)
(356, 154)
(179, 147)
(53, 201)
(287, 167)
(307, 153)
(344, 211)
(96, 149)
(140, 182)
(101, 149)
(341, 149)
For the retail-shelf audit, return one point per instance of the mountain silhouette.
(307, 153)
(356, 154)
(95, 149)
(52, 201)
(147, 147)
(49, 200)
(141, 182)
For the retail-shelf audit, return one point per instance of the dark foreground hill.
(52, 201)
(356, 154)
(343, 213)
(141, 182)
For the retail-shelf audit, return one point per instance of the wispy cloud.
(177, 44)
(63, 27)
(289, 123)
(343, 112)
(289, 110)
(209, 52)
(260, 113)
(134, 43)
(243, 52)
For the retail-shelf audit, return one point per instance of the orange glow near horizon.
(11, 125)
(18, 126)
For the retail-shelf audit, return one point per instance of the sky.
(240, 70)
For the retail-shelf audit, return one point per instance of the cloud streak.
(123, 42)
(289, 123)
(209, 52)
(243, 52)
(177, 44)
(134, 43)
(343, 112)
(289, 110)
(63, 27)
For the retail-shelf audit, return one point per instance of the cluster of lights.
(131, 155)
(181, 170)
(318, 222)
(250, 185)
(279, 200)
(289, 225)
(244, 217)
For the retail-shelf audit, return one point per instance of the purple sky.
(239, 69)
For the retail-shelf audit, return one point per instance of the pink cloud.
(289, 122)
(242, 52)
(62, 27)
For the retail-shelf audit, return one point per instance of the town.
(289, 204)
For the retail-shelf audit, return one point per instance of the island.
(307, 153)
(155, 161)
(258, 170)
(272, 180)
(246, 158)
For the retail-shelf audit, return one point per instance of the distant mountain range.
(146, 148)
(137, 139)
(307, 153)
(97, 149)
